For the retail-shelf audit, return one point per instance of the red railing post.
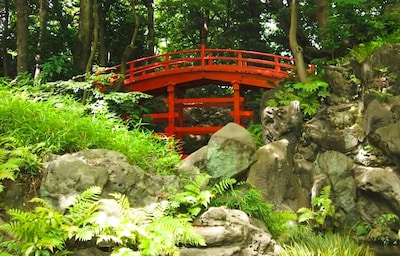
(203, 55)
(277, 64)
(166, 60)
(240, 61)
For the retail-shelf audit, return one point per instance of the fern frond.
(104, 238)
(42, 202)
(224, 185)
(7, 171)
(125, 252)
(86, 202)
(3, 155)
(9, 142)
(123, 203)
(196, 185)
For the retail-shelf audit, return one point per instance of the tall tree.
(85, 32)
(296, 49)
(22, 9)
(42, 28)
(5, 18)
(129, 48)
(151, 39)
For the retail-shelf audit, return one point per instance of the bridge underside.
(174, 86)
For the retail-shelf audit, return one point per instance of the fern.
(249, 200)
(168, 232)
(224, 185)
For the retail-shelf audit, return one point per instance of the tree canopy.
(56, 36)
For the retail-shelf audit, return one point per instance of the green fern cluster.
(250, 200)
(141, 231)
(13, 158)
(323, 215)
(198, 195)
(308, 94)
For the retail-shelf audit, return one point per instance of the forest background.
(59, 39)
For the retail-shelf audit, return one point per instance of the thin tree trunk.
(128, 48)
(150, 26)
(22, 9)
(4, 39)
(42, 26)
(102, 35)
(296, 49)
(95, 41)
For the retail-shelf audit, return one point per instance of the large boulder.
(230, 151)
(231, 233)
(379, 191)
(282, 122)
(338, 168)
(273, 174)
(67, 176)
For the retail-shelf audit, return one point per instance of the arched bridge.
(174, 72)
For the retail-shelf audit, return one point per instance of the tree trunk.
(128, 48)
(82, 50)
(95, 40)
(4, 38)
(93, 49)
(102, 35)
(296, 49)
(42, 27)
(151, 41)
(322, 12)
(22, 9)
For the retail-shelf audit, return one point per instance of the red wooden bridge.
(172, 73)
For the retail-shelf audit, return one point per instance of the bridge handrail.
(205, 58)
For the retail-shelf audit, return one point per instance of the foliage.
(60, 124)
(141, 231)
(322, 215)
(250, 201)
(308, 94)
(381, 96)
(381, 230)
(57, 67)
(13, 158)
(44, 231)
(256, 131)
(304, 242)
(194, 198)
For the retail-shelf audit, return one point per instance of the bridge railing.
(204, 59)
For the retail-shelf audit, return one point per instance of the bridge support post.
(171, 110)
(236, 102)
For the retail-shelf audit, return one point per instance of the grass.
(307, 243)
(62, 125)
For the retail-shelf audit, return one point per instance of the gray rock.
(230, 233)
(192, 165)
(67, 176)
(282, 122)
(338, 168)
(379, 191)
(273, 174)
(230, 151)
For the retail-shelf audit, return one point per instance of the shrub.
(323, 214)
(60, 125)
(139, 231)
(308, 94)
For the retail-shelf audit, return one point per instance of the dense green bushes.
(60, 125)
